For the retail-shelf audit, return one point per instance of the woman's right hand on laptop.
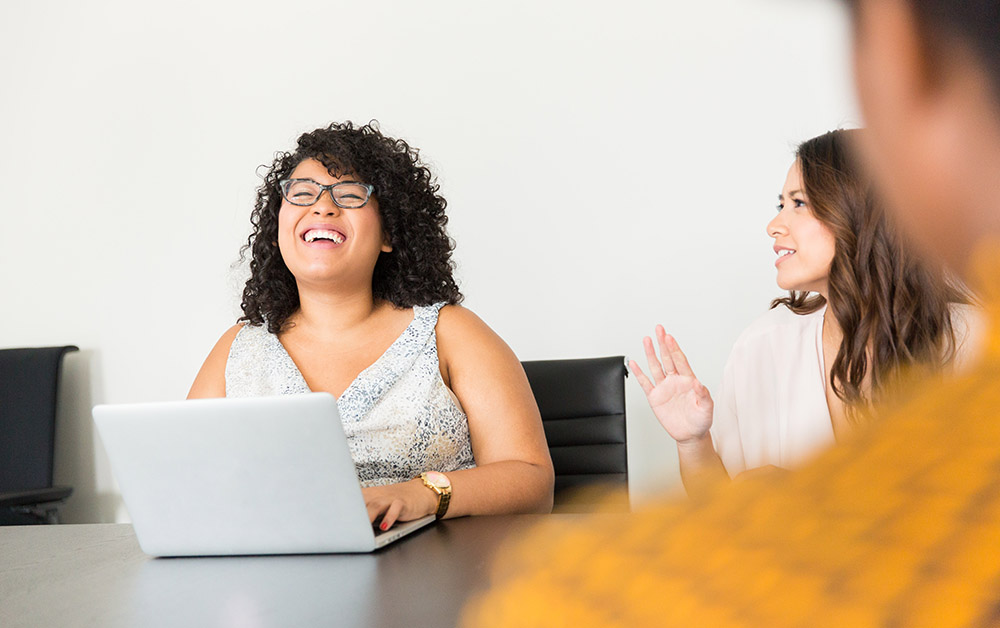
(405, 501)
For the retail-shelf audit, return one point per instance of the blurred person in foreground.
(899, 527)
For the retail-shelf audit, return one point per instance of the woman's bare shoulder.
(464, 339)
(460, 319)
(211, 379)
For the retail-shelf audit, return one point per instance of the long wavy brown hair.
(892, 306)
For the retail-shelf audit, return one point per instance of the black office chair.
(583, 412)
(29, 384)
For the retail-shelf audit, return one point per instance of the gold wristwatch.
(440, 484)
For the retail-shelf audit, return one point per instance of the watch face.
(439, 480)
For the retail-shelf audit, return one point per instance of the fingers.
(388, 510)
(375, 509)
(655, 368)
(393, 502)
(378, 506)
(671, 361)
(702, 391)
(677, 358)
(702, 397)
(665, 353)
(647, 386)
(392, 514)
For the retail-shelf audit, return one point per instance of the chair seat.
(35, 496)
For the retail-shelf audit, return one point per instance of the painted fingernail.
(383, 525)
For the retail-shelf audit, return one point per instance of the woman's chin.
(791, 284)
(320, 278)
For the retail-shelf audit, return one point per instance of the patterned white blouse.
(400, 417)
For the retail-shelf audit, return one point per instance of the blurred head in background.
(928, 79)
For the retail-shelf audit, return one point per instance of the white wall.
(130, 133)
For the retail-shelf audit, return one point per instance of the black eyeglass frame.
(284, 184)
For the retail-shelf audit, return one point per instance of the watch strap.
(443, 495)
(444, 499)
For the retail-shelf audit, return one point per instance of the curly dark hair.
(418, 270)
(892, 305)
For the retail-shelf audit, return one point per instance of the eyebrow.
(318, 183)
(792, 193)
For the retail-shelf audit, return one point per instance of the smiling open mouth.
(323, 234)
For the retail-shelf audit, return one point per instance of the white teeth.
(785, 252)
(324, 234)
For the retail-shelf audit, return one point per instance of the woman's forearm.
(701, 468)
(506, 487)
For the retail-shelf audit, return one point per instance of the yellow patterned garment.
(900, 527)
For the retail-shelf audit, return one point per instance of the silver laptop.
(266, 475)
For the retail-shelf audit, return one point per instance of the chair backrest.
(29, 383)
(582, 403)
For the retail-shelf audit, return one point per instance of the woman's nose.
(324, 205)
(776, 226)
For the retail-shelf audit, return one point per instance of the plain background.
(608, 166)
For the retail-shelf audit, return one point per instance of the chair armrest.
(35, 496)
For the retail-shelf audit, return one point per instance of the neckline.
(821, 315)
(360, 376)
(825, 374)
(823, 379)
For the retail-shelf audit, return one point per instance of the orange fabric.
(900, 527)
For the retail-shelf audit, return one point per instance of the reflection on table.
(96, 575)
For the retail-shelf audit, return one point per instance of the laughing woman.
(351, 292)
(861, 307)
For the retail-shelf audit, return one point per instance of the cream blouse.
(771, 408)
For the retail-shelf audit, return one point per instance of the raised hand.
(680, 402)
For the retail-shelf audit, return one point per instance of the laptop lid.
(265, 475)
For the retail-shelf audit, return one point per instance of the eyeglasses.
(306, 192)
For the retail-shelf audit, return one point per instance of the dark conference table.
(96, 575)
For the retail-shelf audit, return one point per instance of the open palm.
(680, 402)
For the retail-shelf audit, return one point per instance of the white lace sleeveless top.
(400, 417)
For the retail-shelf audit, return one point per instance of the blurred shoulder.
(966, 318)
(969, 327)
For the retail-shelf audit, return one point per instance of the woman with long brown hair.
(862, 307)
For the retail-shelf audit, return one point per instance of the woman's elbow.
(545, 488)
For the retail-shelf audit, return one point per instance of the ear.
(386, 245)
